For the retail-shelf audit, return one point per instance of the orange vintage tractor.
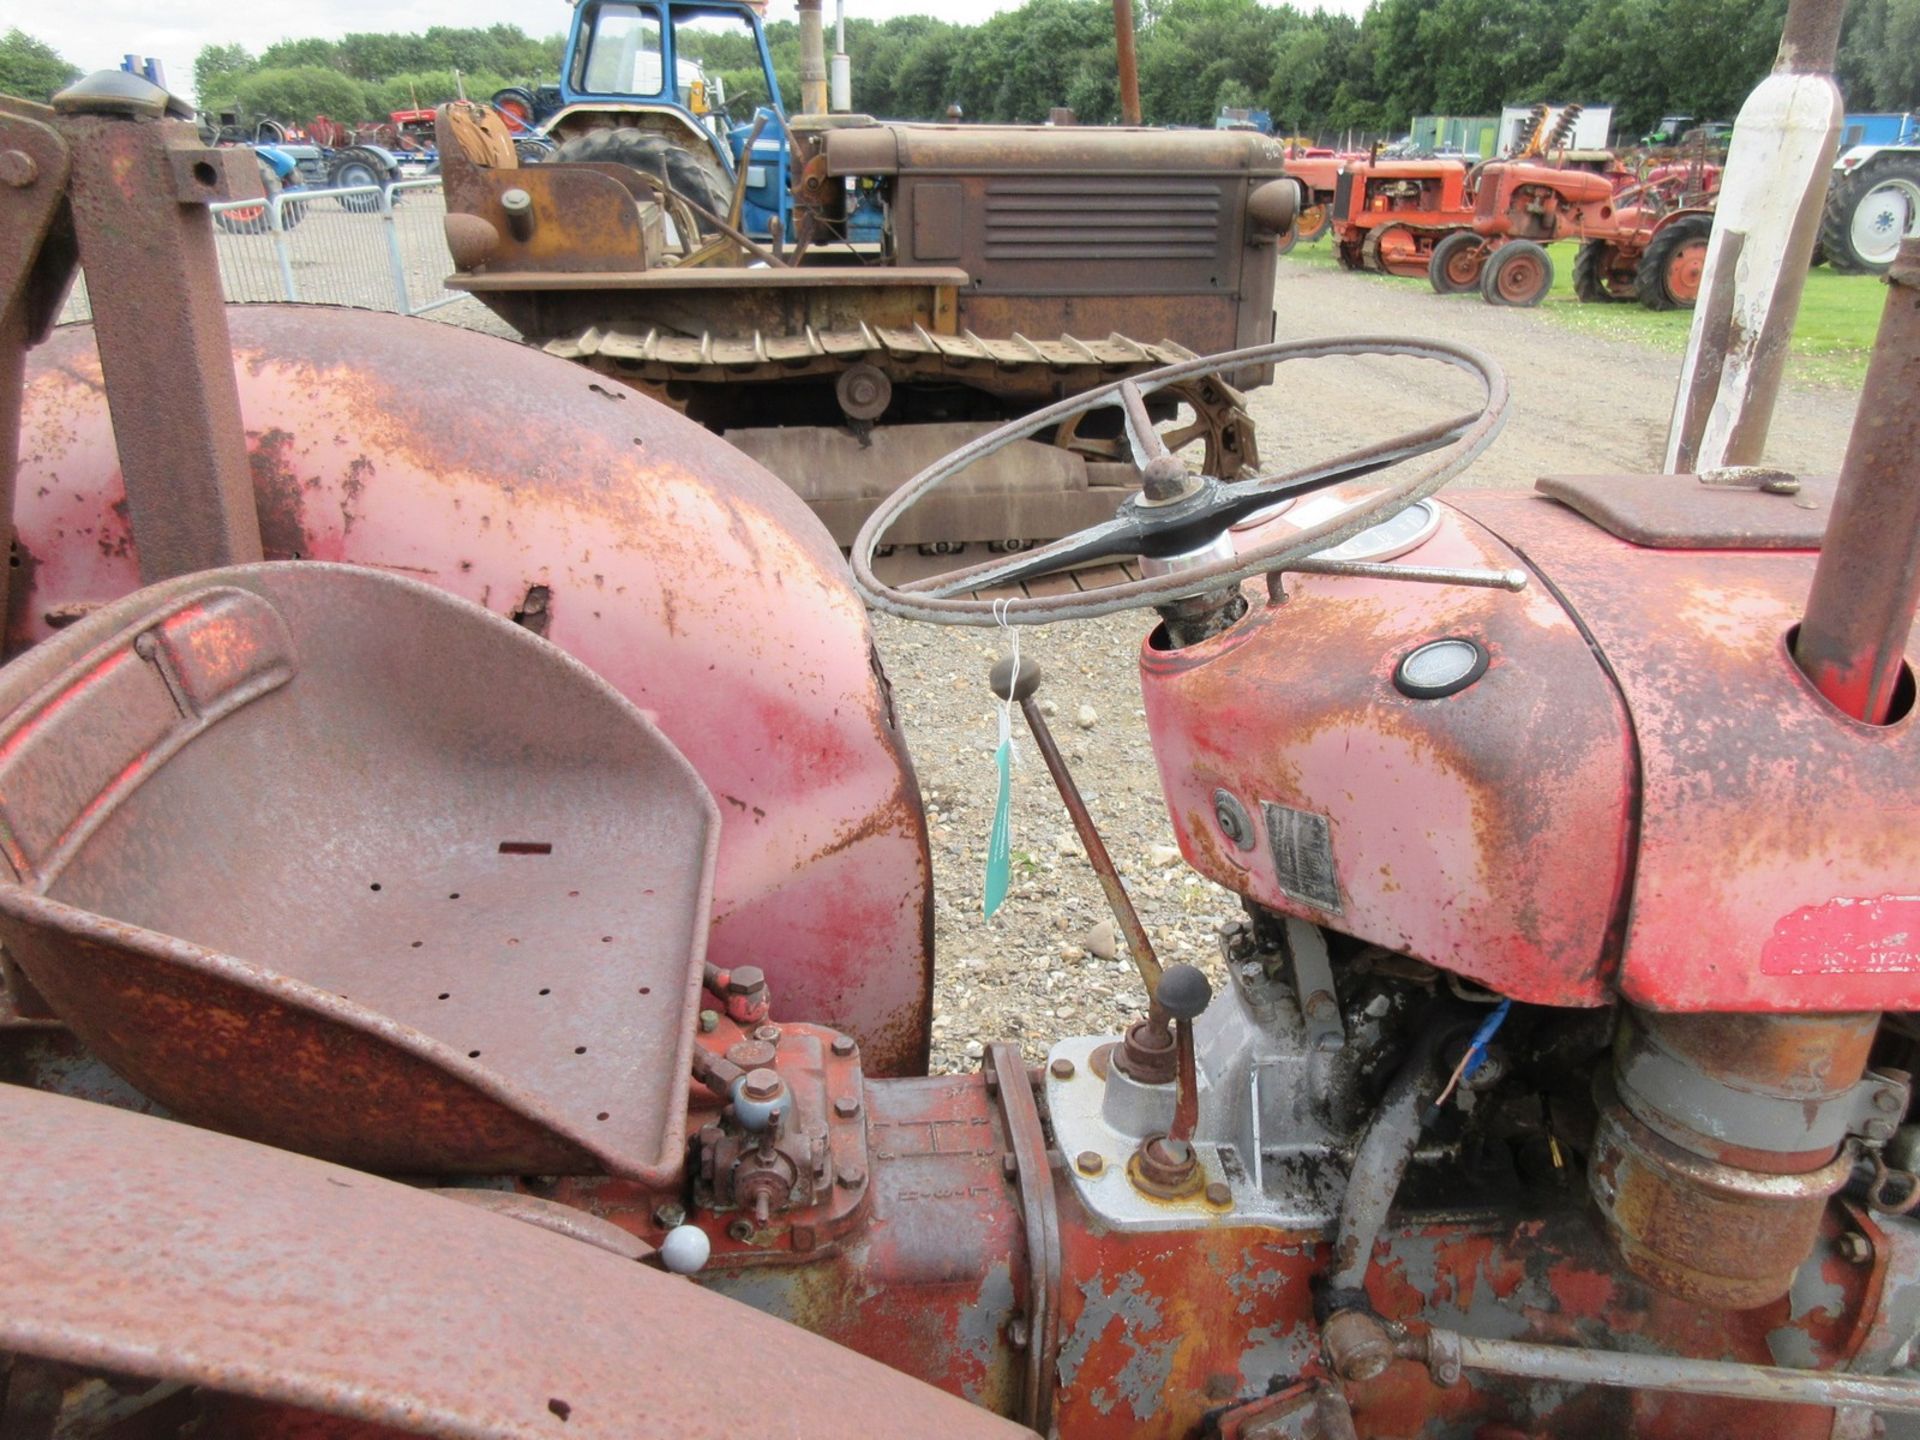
(1389, 214)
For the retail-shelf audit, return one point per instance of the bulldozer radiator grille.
(1343, 195)
(1144, 219)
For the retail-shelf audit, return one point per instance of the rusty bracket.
(36, 268)
(1007, 1082)
(138, 194)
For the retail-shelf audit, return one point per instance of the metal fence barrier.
(372, 246)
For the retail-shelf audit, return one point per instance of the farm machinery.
(1647, 241)
(467, 919)
(1318, 172)
(1487, 227)
(1007, 267)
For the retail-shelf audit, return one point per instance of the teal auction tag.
(1000, 837)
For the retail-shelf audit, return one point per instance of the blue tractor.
(641, 85)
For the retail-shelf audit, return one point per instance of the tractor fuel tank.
(1614, 779)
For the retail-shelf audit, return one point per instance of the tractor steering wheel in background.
(1177, 514)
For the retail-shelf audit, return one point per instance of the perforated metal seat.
(335, 861)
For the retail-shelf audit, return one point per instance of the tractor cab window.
(717, 55)
(623, 52)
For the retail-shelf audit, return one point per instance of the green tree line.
(1317, 73)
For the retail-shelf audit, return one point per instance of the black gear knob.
(1184, 992)
(1023, 683)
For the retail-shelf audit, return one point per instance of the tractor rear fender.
(287, 1288)
(685, 575)
(1672, 215)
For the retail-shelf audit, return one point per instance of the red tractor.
(1633, 242)
(1389, 214)
(1318, 171)
(467, 911)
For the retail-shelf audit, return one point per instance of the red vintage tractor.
(1389, 214)
(1644, 241)
(467, 919)
(1318, 171)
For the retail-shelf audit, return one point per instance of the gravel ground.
(1580, 404)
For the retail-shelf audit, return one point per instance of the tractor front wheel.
(1455, 265)
(357, 166)
(1519, 273)
(1670, 271)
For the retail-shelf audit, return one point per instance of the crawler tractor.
(1012, 266)
(1388, 214)
(466, 911)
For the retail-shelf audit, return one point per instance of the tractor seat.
(337, 862)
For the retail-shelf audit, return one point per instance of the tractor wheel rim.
(1685, 269)
(1312, 220)
(355, 175)
(1890, 213)
(1462, 267)
(1519, 278)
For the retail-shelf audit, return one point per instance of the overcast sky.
(94, 34)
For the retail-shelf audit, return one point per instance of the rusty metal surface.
(691, 580)
(1853, 642)
(1777, 839)
(935, 1282)
(1684, 512)
(1012, 1090)
(1718, 1234)
(465, 932)
(36, 269)
(1485, 831)
(135, 1246)
(1128, 66)
(1157, 1335)
(146, 240)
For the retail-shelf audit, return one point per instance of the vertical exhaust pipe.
(1866, 585)
(1129, 68)
(813, 59)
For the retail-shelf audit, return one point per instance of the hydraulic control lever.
(1148, 1053)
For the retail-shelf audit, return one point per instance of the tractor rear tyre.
(1669, 273)
(358, 166)
(1455, 265)
(691, 175)
(1519, 273)
(1313, 221)
(1590, 267)
(1869, 212)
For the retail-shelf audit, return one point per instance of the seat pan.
(333, 860)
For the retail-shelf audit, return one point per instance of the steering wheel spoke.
(1178, 512)
(1145, 438)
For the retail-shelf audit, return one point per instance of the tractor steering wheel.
(1178, 513)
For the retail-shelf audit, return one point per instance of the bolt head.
(1089, 1162)
(741, 1230)
(17, 169)
(1061, 1069)
(850, 1177)
(709, 1021)
(1219, 1194)
(762, 1085)
(669, 1214)
(843, 1045)
(745, 979)
(846, 1107)
(769, 1033)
